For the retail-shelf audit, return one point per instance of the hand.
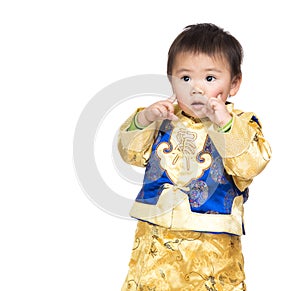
(158, 111)
(216, 110)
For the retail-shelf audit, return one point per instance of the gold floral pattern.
(165, 259)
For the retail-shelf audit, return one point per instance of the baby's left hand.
(216, 110)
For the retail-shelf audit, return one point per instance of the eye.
(186, 78)
(210, 78)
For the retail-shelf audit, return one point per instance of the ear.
(235, 84)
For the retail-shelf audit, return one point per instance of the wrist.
(224, 120)
(226, 127)
(141, 120)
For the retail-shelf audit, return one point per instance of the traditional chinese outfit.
(190, 207)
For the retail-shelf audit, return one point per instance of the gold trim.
(173, 211)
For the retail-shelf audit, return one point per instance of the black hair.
(209, 39)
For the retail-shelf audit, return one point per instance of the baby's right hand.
(157, 111)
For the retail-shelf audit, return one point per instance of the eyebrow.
(183, 70)
(213, 70)
(206, 70)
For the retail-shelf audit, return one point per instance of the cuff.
(226, 127)
(235, 141)
(134, 125)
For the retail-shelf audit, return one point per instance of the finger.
(206, 111)
(157, 113)
(168, 106)
(172, 98)
(162, 110)
(163, 113)
(213, 103)
(172, 116)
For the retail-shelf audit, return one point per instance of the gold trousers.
(163, 260)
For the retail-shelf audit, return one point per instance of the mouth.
(200, 101)
(197, 105)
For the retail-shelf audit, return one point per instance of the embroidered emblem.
(183, 157)
(186, 146)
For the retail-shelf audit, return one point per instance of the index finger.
(172, 98)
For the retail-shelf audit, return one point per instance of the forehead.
(196, 61)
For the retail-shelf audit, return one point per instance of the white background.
(54, 57)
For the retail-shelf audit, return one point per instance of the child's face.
(196, 77)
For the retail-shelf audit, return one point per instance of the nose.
(197, 90)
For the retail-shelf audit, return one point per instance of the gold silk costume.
(191, 204)
(165, 260)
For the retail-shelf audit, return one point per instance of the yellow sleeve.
(244, 149)
(135, 144)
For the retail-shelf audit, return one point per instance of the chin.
(192, 113)
(197, 115)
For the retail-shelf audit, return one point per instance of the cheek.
(182, 89)
(180, 92)
(182, 99)
(214, 92)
